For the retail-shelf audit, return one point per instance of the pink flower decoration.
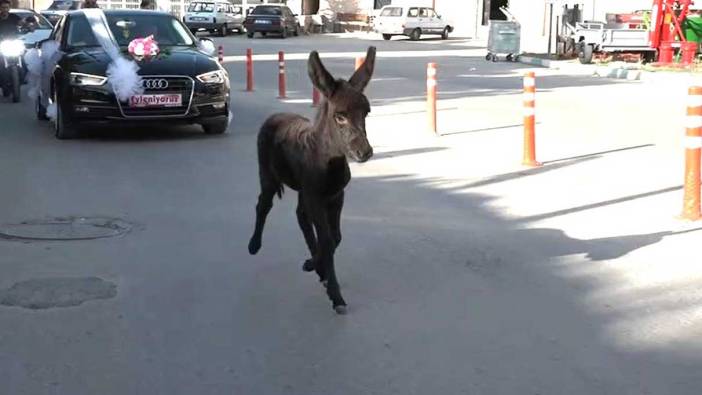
(143, 47)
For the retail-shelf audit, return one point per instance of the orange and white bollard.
(359, 62)
(281, 75)
(431, 96)
(693, 146)
(249, 70)
(530, 120)
(315, 97)
(220, 54)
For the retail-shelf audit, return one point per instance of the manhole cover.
(68, 228)
(46, 293)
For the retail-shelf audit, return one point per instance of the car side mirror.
(208, 46)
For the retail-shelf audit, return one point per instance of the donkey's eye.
(341, 119)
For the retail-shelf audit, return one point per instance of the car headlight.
(213, 77)
(12, 48)
(80, 79)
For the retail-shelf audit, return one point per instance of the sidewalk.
(617, 70)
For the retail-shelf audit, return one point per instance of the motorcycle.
(11, 51)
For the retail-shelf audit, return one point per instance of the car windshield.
(267, 10)
(201, 7)
(391, 11)
(64, 5)
(39, 21)
(167, 31)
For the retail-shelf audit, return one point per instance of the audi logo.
(159, 83)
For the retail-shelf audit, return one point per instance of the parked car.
(31, 33)
(214, 15)
(412, 22)
(272, 18)
(184, 83)
(58, 8)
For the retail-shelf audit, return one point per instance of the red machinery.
(666, 21)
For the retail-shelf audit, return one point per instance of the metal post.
(550, 27)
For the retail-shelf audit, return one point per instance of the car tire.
(219, 127)
(249, 34)
(15, 78)
(297, 31)
(63, 129)
(445, 33)
(223, 30)
(40, 110)
(284, 33)
(240, 30)
(415, 35)
(387, 37)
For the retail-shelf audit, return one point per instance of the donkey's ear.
(321, 79)
(363, 75)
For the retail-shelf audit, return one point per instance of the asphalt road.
(446, 295)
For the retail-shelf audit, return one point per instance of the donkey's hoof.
(341, 309)
(254, 246)
(308, 266)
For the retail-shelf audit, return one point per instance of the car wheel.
(386, 37)
(216, 127)
(415, 35)
(40, 110)
(249, 34)
(284, 33)
(445, 33)
(223, 30)
(297, 30)
(240, 30)
(62, 126)
(263, 34)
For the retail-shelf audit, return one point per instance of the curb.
(599, 71)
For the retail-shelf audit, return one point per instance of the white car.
(59, 8)
(214, 15)
(410, 21)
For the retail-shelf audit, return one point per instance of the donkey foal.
(310, 157)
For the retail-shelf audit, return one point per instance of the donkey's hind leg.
(263, 207)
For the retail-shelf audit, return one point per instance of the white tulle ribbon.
(122, 73)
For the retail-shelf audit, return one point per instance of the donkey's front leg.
(326, 246)
(305, 221)
(334, 208)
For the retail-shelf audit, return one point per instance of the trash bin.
(503, 39)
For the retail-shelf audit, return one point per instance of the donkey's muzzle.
(363, 156)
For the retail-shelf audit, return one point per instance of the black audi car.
(184, 83)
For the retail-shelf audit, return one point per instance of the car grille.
(181, 85)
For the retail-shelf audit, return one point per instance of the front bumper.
(210, 25)
(264, 28)
(207, 103)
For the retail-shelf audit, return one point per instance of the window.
(267, 10)
(378, 4)
(201, 7)
(80, 34)
(41, 22)
(413, 12)
(391, 11)
(167, 31)
(431, 13)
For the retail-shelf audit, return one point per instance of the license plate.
(161, 100)
(263, 21)
(198, 19)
